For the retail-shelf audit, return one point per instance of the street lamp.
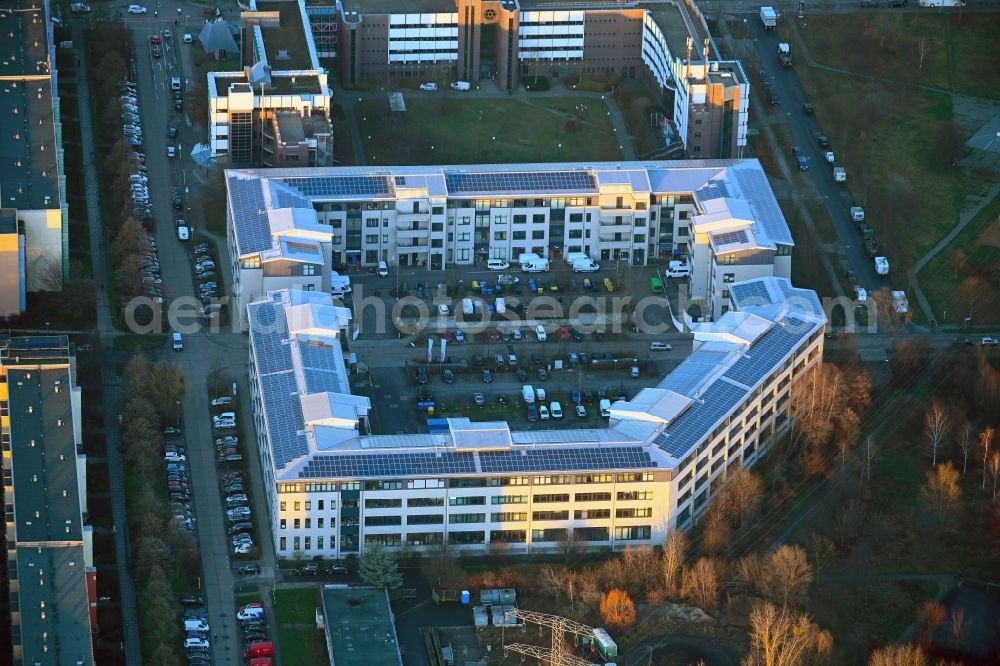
(178, 419)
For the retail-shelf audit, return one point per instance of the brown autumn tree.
(746, 492)
(617, 609)
(941, 493)
(898, 655)
(673, 562)
(932, 615)
(786, 575)
(973, 298)
(783, 637)
(701, 584)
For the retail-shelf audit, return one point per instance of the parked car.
(429, 86)
(659, 346)
(479, 398)
(988, 341)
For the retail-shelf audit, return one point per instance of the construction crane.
(557, 655)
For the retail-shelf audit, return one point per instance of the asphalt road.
(803, 128)
(200, 353)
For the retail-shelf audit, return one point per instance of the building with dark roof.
(49, 546)
(31, 170)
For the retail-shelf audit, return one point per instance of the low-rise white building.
(333, 488)
(438, 216)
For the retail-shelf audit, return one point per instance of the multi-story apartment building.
(34, 217)
(333, 487)
(505, 41)
(437, 216)
(282, 74)
(49, 547)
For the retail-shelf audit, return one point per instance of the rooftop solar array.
(283, 197)
(387, 465)
(757, 192)
(713, 189)
(554, 436)
(731, 237)
(342, 186)
(765, 353)
(269, 332)
(693, 371)
(569, 459)
(699, 419)
(528, 182)
(284, 417)
(322, 372)
(748, 294)
(253, 233)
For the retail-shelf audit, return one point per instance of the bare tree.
(923, 48)
(747, 569)
(985, 442)
(782, 637)
(869, 455)
(958, 627)
(964, 440)
(898, 655)
(889, 318)
(932, 614)
(994, 465)
(746, 492)
(786, 575)
(936, 426)
(941, 492)
(847, 521)
(821, 549)
(701, 583)
(674, 557)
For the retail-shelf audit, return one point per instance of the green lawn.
(448, 130)
(135, 342)
(301, 646)
(296, 605)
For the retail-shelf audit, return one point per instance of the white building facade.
(333, 488)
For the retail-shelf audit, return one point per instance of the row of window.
(477, 500)
(549, 535)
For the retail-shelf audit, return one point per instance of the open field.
(295, 619)
(468, 131)
(296, 605)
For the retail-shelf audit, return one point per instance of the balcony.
(403, 235)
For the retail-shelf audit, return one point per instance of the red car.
(563, 333)
(155, 39)
(494, 335)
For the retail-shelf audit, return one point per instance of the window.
(635, 495)
(375, 521)
(538, 234)
(509, 499)
(550, 535)
(632, 533)
(538, 218)
(646, 512)
(466, 538)
(520, 219)
(550, 515)
(466, 501)
(381, 503)
(634, 477)
(728, 278)
(520, 235)
(593, 497)
(511, 481)
(729, 259)
(500, 235)
(428, 519)
(508, 536)
(595, 478)
(509, 517)
(281, 506)
(319, 543)
(425, 501)
(371, 239)
(319, 523)
(556, 497)
(282, 524)
(465, 518)
(308, 523)
(552, 479)
(308, 543)
(297, 506)
(591, 514)
(283, 543)
(319, 504)
(372, 223)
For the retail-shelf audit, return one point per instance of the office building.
(333, 488)
(294, 225)
(281, 75)
(34, 218)
(49, 547)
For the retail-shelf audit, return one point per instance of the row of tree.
(163, 550)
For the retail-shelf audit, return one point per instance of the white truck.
(528, 393)
(900, 302)
(785, 54)
(881, 265)
(839, 172)
(940, 3)
(535, 265)
(857, 214)
(339, 285)
(769, 18)
(587, 265)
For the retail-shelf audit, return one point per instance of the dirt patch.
(990, 237)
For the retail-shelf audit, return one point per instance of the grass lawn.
(296, 605)
(973, 37)
(135, 342)
(974, 252)
(637, 102)
(446, 130)
(807, 274)
(301, 646)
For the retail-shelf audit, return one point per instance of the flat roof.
(29, 177)
(670, 20)
(280, 84)
(286, 46)
(379, 7)
(360, 629)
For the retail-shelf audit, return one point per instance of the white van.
(383, 269)
(605, 408)
(461, 85)
(528, 393)
(339, 285)
(177, 342)
(535, 266)
(527, 257)
(175, 83)
(678, 269)
(501, 305)
(585, 266)
(556, 409)
(497, 265)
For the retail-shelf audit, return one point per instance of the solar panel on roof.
(321, 370)
(699, 419)
(283, 414)
(543, 181)
(760, 359)
(749, 294)
(253, 233)
(342, 186)
(714, 189)
(730, 237)
(570, 459)
(387, 465)
(757, 192)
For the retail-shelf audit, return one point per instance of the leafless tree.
(783, 637)
(994, 465)
(889, 318)
(701, 583)
(674, 557)
(643, 566)
(588, 590)
(869, 455)
(747, 569)
(936, 426)
(985, 442)
(746, 492)
(847, 521)
(898, 655)
(923, 48)
(821, 549)
(932, 614)
(786, 575)
(964, 441)
(941, 492)
(958, 627)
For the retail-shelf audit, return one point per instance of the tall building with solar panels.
(333, 487)
(719, 214)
